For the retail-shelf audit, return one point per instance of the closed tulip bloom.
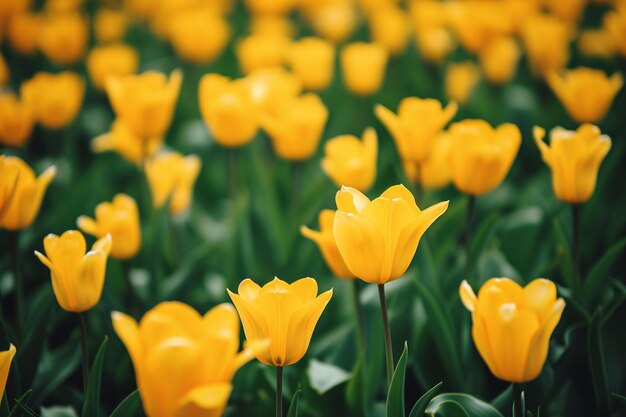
(482, 156)
(63, 37)
(325, 241)
(499, 60)
(615, 24)
(25, 190)
(4, 71)
(145, 102)
(6, 357)
(173, 176)
(184, 362)
(285, 314)
(511, 325)
(586, 93)
(110, 25)
(377, 239)
(275, 25)
(23, 32)
(16, 121)
(477, 23)
(124, 141)
(416, 125)
(270, 87)
(433, 172)
(262, 50)
(54, 99)
(390, 27)
(460, 79)
(77, 275)
(546, 42)
(434, 43)
(120, 219)
(198, 36)
(574, 157)
(11, 8)
(111, 60)
(363, 66)
(333, 20)
(350, 161)
(296, 128)
(313, 60)
(6, 188)
(596, 43)
(228, 110)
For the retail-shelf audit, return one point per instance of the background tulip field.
(241, 216)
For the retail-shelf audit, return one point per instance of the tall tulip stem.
(358, 312)
(233, 172)
(14, 238)
(419, 189)
(467, 233)
(279, 391)
(519, 403)
(387, 331)
(576, 243)
(84, 348)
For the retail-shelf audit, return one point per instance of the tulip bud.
(4, 71)
(596, 43)
(377, 239)
(363, 66)
(460, 80)
(313, 60)
(262, 51)
(499, 60)
(477, 23)
(434, 43)
(433, 172)
(270, 87)
(615, 24)
(285, 314)
(574, 158)
(390, 27)
(107, 61)
(77, 275)
(124, 141)
(172, 176)
(63, 37)
(333, 20)
(481, 156)
(110, 25)
(16, 121)
(511, 325)
(23, 32)
(198, 36)
(546, 42)
(11, 8)
(6, 357)
(586, 93)
(272, 25)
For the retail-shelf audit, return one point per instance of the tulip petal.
(305, 289)
(468, 298)
(539, 297)
(254, 323)
(538, 134)
(539, 346)
(5, 363)
(204, 401)
(128, 331)
(249, 290)
(170, 319)
(401, 192)
(87, 225)
(350, 200)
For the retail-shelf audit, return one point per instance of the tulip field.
(312, 208)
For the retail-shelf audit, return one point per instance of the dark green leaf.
(565, 253)
(620, 398)
(58, 411)
(293, 407)
(23, 407)
(420, 406)
(324, 376)
(55, 367)
(598, 277)
(91, 406)
(29, 354)
(472, 406)
(395, 396)
(16, 411)
(129, 407)
(356, 388)
(448, 409)
(597, 364)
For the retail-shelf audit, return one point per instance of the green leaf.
(620, 398)
(565, 253)
(23, 407)
(597, 363)
(91, 406)
(29, 354)
(324, 376)
(448, 409)
(15, 412)
(420, 406)
(58, 411)
(597, 279)
(472, 406)
(295, 402)
(356, 388)
(395, 396)
(129, 407)
(55, 367)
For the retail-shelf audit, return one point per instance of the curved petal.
(538, 351)
(350, 200)
(249, 290)
(468, 298)
(305, 289)
(204, 401)
(128, 331)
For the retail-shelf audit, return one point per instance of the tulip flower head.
(77, 275)
(434, 172)
(615, 24)
(313, 61)
(23, 32)
(6, 357)
(4, 71)
(262, 50)
(110, 25)
(390, 27)
(325, 241)
(111, 60)
(596, 43)
(172, 176)
(285, 314)
(546, 42)
(574, 158)
(499, 60)
(363, 66)
(460, 80)
(184, 362)
(16, 120)
(63, 37)
(511, 325)
(434, 43)
(198, 36)
(122, 139)
(333, 20)
(270, 87)
(377, 239)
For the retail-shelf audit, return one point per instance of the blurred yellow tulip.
(477, 23)
(499, 59)
(262, 50)
(325, 241)
(172, 176)
(54, 99)
(62, 6)
(295, 130)
(77, 275)
(511, 325)
(63, 37)
(313, 61)
(23, 32)
(569, 10)
(184, 362)
(285, 314)
(271, 24)
(4, 71)
(25, 190)
(596, 43)
(363, 67)
(390, 27)
(334, 20)
(124, 141)
(377, 239)
(16, 121)
(586, 93)
(416, 125)
(270, 87)
(110, 25)
(546, 42)
(460, 79)
(120, 219)
(615, 24)
(10, 8)
(145, 102)
(270, 7)
(228, 110)
(198, 36)
(434, 43)
(433, 172)
(111, 60)
(350, 161)
(574, 158)
(6, 357)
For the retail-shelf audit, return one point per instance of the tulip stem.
(14, 237)
(467, 234)
(576, 244)
(279, 391)
(519, 402)
(84, 348)
(386, 331)
(233, 171)
(419, 190)
(360, 331)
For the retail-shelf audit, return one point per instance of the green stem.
(467, 233)
(14, 237)
(84, 348)
(279, 391)
(386, 331)
(576, 245)
(519, 403)
(233, 171)
(132, 299)
(358, 312)
(419, 189)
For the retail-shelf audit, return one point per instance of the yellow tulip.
(499, 60)
(172, 176)
(23, 32)
(16, 121)
(4, 71)
(334, 20)
(377, 239)
(325, 241)
(270, 7)
(262, 50)
(596, 43)
(120, 219)
(7, 189)
(271, 24)
(615, 24)
(114, 60)
(5, 363)
(10, 8)
(313, 60)
(574, 158)
(477, 23)
(350, 161)
(228, 110)
(110, 25)
(586, 93)
(460, 80)
(389, 26)
(285, 314)
(27, 192)
(54, 99)
(568, 11)
(270, 87)
(511, 325)
(434, 43)
(416, 125)
(546, 41)
(62, 6)
(184, 362)
(124, 141)
(296, 128)
(145, 102)
(63, 37)
(481, 156)
(198, 36)
(77, 275)
(363, 67)
(433, 172)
